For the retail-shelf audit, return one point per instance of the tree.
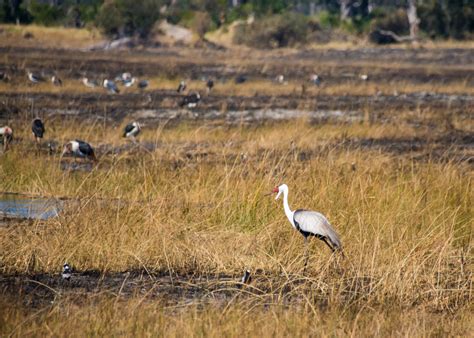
(413, 19)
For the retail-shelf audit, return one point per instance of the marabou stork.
(181, 87)
(132, 130)
(79, 148)
(38, 130)
(67, 272)
(191, 100)
(309, 223)
(6, 133)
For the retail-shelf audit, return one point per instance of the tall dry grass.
(196, 205)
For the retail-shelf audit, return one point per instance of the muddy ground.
(397, 67)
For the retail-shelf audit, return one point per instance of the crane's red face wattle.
(276, 190)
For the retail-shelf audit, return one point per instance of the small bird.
(4, 77)
(142, 84)
(6, 133)
(364, 77)
(132, 130)
(34, 78)
(280, 79)
(246, 278)
(129, 82)
(209, 85)
(181, 87)
(315, 79)
(67, 272)
(89, 83)
(79, 148)
(191, 100)
(111, 86)
(239, 79)
(309, 223)
(126, 77)
(55, 80)
(38, 130)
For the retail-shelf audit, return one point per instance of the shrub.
(454, 20)
(45, 14)
(274, 31)
(110, 19)
(128, 17)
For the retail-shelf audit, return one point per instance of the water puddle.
(25, 207)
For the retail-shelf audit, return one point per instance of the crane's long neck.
(288, 212)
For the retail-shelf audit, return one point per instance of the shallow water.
(24, 207)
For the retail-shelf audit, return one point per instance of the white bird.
(132, 130)
(34, 77)
(280, 79)
(67, 272)
(364, 77)
(111, 86)
(6, 134)
(309, 223)
(126, 77)
(79, 148)
(89, 83)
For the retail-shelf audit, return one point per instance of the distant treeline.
(268, 22)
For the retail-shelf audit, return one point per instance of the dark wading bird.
(309, 223)
(38, 130)
(240, 79)
(78, 148)
(209, 85)
(181, 87)
(67, 272)
(132, 130)
(6, 134)
(142, 84)
(191, 100)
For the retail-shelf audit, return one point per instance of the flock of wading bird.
(308, 223)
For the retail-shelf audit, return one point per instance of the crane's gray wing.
(316, 224)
